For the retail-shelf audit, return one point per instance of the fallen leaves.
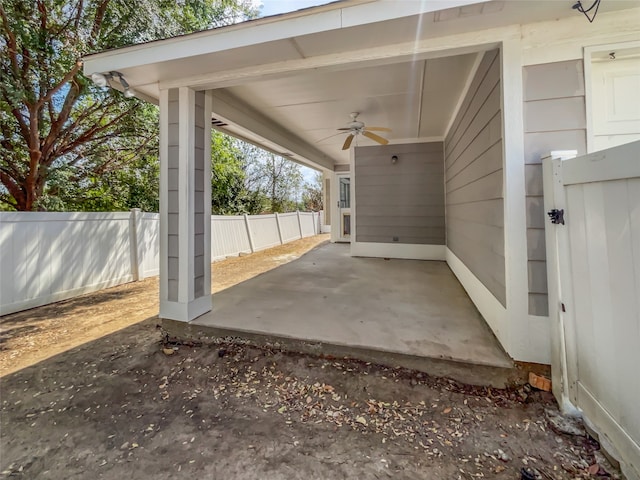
(361, 420)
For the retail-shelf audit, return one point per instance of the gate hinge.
(556, 216)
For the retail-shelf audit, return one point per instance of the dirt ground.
(33, 335)
(126, 404)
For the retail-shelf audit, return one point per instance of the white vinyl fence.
(47, 257)
(593, 254)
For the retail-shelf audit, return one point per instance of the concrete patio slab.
(407, 307)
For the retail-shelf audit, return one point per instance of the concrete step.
(468, 373)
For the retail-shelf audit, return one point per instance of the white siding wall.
(48, 257)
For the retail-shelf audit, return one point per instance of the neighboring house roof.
(286, 81)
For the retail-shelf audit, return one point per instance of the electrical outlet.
(395, 239)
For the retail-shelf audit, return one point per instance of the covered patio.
(459, 92)
(371, 306)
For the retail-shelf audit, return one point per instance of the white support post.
(299, 222)
(185, 204)
(137, 252)
(315, 222)
(279, 228)
(249, 235)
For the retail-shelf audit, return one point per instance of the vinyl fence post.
(299, 222)
(137, 247)
(246, 222)
(279, 228)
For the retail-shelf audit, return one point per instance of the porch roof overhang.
(288, 81)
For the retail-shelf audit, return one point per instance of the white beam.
(232, 110)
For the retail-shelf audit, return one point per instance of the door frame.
(338, 219)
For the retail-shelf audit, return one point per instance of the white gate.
(593, 255)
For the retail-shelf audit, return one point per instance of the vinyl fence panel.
(595, 276)
(307, 224)
(290, 226)
(228, 236)
(264, 231)
(47, 257)
(149, 239)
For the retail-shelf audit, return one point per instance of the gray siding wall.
(404, 200)
(555, 119)
(199, 178)
(474, 183)
(173, 202)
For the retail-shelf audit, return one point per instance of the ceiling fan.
(356, 127)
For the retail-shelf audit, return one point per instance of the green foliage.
(277, 178)
(312, 194)
(230, 194)
(55, 124)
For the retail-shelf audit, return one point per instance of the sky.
(274, 7)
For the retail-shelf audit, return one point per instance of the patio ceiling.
(415, 99)
(287, 81)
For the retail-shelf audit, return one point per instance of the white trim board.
(181, 311)
(402, 141)
(536, 348)
(398, 250)
(515, 208)
(489, 307)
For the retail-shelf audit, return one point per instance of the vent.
(218, 123)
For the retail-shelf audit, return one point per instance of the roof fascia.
(320, 19)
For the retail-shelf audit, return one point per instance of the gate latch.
(556, 216)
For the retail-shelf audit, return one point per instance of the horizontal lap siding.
(554, 120)
(474, 180)
(404, 200)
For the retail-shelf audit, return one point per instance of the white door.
(615, 98)
(344, 208)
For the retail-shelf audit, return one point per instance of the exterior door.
(344, 208)
(615, 83)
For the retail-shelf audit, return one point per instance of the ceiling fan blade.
(330, 136)
(375, 138)
(347, 142)
(378, 129)
(346, 129)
